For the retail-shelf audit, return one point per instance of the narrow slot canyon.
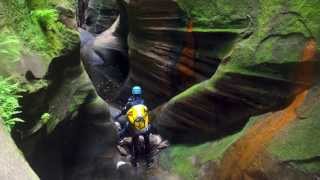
(227, 90)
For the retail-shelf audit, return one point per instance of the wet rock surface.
(97, 15)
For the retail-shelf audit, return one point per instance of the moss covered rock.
(297, 144)
(36, 43)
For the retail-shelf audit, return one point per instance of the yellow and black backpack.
(138, 117)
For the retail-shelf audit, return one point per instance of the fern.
(9, 105)
(10, 47)
(36, 24)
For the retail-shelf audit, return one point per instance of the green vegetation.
(34, 86)
(10, 51)
(301, 20)
(181, 156)
(217, 13)
(56, 34)
(71, 4)
(38, 4)
(309, 13)
(36, 24)
(10, 47)
(45, 118)
(299, 143)
(9, 105)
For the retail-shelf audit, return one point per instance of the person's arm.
(122, 112)
(124, 131)
(127, 106)
(124, 109)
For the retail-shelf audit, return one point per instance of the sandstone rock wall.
(209, 68)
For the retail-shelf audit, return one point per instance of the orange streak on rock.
(255, 140)
(305, 70)
(186, 62)
(244, 152)
(310, 50)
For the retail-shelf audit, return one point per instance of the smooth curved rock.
(13, 164)
(105, 59)
(159, 58)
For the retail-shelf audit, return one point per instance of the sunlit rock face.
(11, 158)
(208, 68)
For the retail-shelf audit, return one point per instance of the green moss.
(35, 4)
(76, 101)
(181, 162)
(309, 13)
(40, 4)
(180, 155)
(70, 4)
(47, 21)
(281, 29)
(281, 18)
(217, 13)
(299, 143)
(34, 86)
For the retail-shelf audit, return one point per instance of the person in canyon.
(137, 125)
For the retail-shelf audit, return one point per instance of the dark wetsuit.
(129, 131)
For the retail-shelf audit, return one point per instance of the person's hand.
(118, 125)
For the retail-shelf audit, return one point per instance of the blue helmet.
(136, 90)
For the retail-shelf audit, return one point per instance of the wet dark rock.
(97, 15)
(105, 59)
